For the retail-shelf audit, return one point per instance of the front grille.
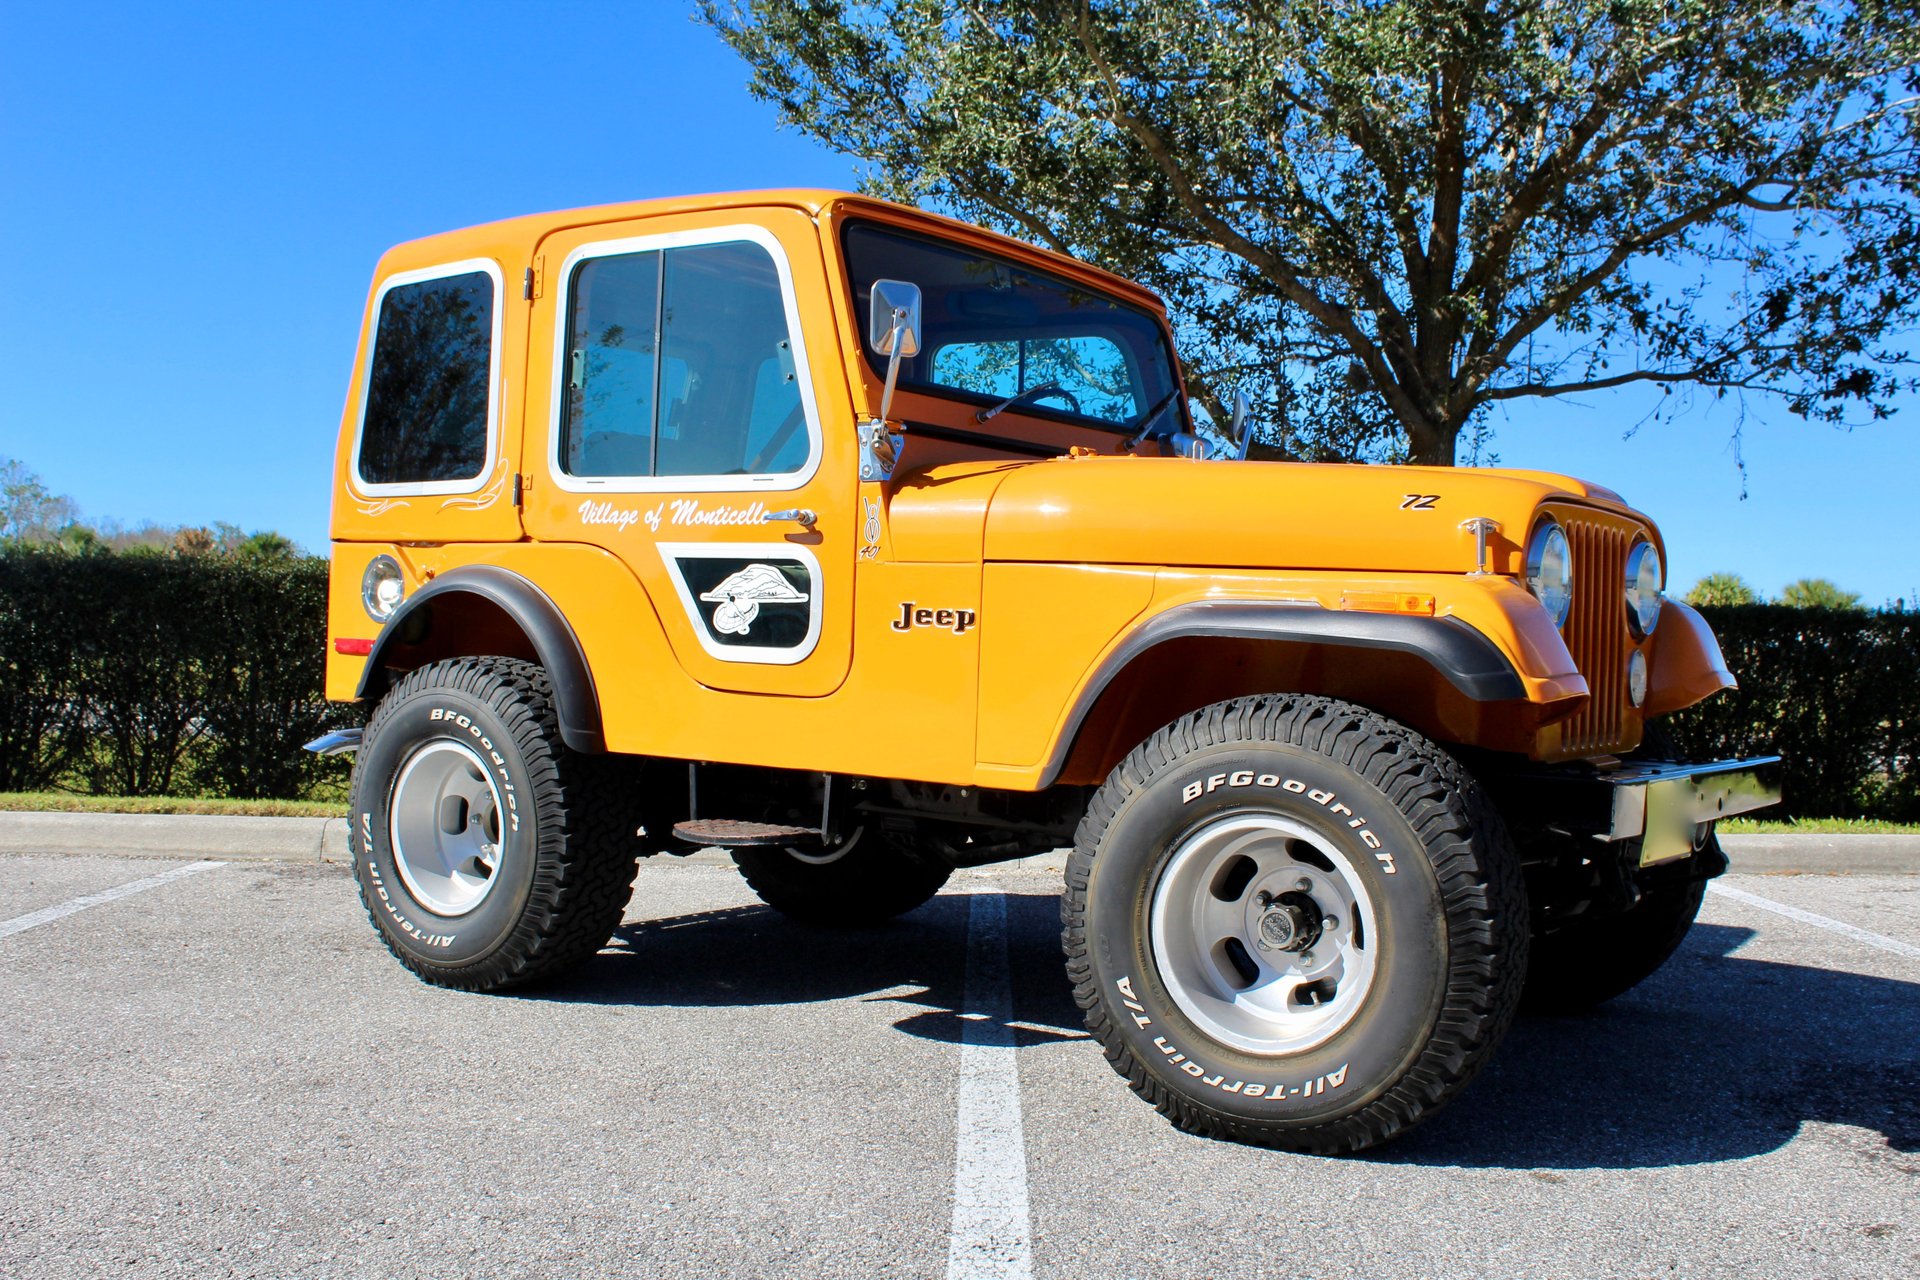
(1596, 632)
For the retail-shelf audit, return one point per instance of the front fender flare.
(576, 701)
(1466, 658)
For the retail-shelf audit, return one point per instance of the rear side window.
(679, 363)
(430, 382)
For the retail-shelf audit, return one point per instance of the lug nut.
(1263, 899)
(1329, 922)
(1306, 957)
(1303, 884)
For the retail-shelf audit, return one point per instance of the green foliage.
(1835, 692)
(1818, 593)
(142, 672)
(1387, 215)
(1722, 588)
(28, 509)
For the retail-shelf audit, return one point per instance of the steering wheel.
(1064, 394)
(777, 441)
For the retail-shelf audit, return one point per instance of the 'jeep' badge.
(958, 621)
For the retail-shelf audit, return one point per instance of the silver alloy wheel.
(444, 821)
(1263, 933)
(823, 857)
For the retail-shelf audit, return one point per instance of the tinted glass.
(1091, 373)
(427, 390)
(724, 399)
(607, 429)
(993, 328)
(725, 321)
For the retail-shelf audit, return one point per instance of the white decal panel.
(748, 601)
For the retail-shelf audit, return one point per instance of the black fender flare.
(1467, 659)
(576, 702)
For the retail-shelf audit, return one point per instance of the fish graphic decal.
(741, 594)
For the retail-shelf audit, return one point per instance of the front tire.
(485, 855)
(1294, 922)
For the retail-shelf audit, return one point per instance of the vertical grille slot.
(1596, 633)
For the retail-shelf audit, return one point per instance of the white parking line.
(1855, 932)
(20, 924)
(991, 1235)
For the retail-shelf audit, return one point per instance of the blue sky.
(193, 197)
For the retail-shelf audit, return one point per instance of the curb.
(176, 835)
(324, 840)
(1869, 855)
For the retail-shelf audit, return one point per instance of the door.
(697, 426)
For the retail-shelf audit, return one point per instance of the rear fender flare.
(576, 701)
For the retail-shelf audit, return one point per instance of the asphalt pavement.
(217, 1070)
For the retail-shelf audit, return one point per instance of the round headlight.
(1643, 589)
(1550, 571)
(382, 587)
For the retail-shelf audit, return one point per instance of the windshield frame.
(1150, 395)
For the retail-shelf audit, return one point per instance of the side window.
(680, 364)
(1091, 371)
(610, 373)
(429, 384)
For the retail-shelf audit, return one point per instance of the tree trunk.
(1430, 444)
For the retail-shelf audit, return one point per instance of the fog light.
(1637, 678)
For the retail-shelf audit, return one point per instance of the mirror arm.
(893, 361)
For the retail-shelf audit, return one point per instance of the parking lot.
(223, 1073)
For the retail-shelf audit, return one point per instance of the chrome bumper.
(1664, 805)
(339, 742)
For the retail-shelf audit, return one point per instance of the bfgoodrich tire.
(870, 877)
(1294, 922)
(485, 856)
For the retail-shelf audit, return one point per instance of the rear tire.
(870, 877)
(485, 854)
(1294, 922)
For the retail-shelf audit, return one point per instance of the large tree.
(1387, 215)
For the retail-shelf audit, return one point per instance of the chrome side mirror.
(1239, 434)
(893, 329)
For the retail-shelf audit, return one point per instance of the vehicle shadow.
(1715, 1058)
(755, 956)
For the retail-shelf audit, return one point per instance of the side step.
(730, 833)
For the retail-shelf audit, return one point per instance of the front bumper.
(1665, 806)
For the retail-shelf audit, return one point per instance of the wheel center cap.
(1288, 927)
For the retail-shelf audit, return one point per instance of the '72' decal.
(1419, 501)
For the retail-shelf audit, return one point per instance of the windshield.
(993, 330)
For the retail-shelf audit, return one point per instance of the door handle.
(800, 515)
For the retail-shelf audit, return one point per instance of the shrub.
(1836, 692)
(147, 673)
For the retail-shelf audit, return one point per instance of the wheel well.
(457, 624)
(485, 611)
(1166, 681)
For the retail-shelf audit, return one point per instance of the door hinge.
(519, 489)
(532, 285)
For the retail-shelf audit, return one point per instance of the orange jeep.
(867, 544)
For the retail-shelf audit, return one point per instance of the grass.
(67, 802)
(1817, 827)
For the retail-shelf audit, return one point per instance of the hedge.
(150, 673)
(1835, 692)
(146, 673)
